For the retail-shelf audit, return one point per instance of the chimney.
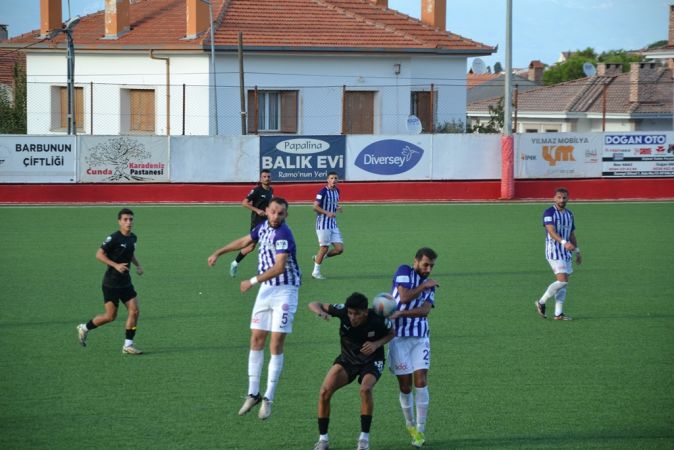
(50, 16)
(4, 32)
(536, 71)
(382, 3)
(116, 18)
(434, 13)
(643, 79)
(198, 18)
(609, 69)
(670, 40)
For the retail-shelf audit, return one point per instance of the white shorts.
(275, 308)
(561, 266)
(408, 354)
(329, 236)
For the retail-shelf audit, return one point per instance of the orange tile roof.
(322, 25)
(475, 79)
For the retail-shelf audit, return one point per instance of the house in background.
(9, 59)
(311, 67)
(490, 85)
(638, 100)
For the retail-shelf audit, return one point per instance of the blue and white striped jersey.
(271, 242)
(564, 226)
(406, 277)
(327, 199)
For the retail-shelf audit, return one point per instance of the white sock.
(364, 436)
(128, 342)
(422, 399)
(317, 268)
(323, 437)
(406, 405)
(275, 369)
(255, 362)
(560, 297)
(234, 263)
(552, 290)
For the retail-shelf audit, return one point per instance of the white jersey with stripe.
(564, 225)
(327, 199)
(271, 242)
(406, 277)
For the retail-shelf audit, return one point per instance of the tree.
(620, 56)
(13, 110)
(657, 44)
(497, 67)
(495, 123)
(572, 68)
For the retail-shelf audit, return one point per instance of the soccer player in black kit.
(362, 335)
(117, 252)
(257, 201)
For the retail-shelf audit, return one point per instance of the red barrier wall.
(586, 189)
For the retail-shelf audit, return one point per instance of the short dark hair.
(280, 201)
(356, 301)
(265, 171)
(563, 190)
(124, 211)
(427, 252)
(333, 173)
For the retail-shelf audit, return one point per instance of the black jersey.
(119, 248)
(259, 198)
(353, 338)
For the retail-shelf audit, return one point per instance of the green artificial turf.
(501, 377)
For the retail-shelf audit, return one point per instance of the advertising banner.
(214, 159)
(302, 158)
(466, 157)
(38, 159)
(558, 155)
(641, 154)
(123, 159)
(388, 158)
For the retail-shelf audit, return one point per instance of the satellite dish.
(589, 70)
(478, 66)
(413, 124)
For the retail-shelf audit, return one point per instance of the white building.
(310, 67)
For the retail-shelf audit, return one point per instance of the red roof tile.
(333, 25)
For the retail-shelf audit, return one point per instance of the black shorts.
(113, 294)
(360, 370)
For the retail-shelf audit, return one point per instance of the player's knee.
(325, 394)
(110, 317)
(365, 391)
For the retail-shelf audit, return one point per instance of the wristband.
(563, 241)
(253, 281)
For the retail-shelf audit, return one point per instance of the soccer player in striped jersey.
(326, 206)
(560, 244)
(276, 302)
(410, 349)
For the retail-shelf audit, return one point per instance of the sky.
(541, 29)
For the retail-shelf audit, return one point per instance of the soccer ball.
(384, 304)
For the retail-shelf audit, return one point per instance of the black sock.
(239, 257)
(90, 325)
(131, 333)
(323, 425)
(365, 422)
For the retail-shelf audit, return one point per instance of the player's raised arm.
(236, 244)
